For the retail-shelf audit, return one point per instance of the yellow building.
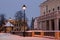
(19, 25)
(8, 27)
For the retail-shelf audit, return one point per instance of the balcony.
(53, 15)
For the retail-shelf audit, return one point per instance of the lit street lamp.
(24, 8)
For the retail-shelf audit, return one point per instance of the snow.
(8, 24)
(8, 36)
(43, 31)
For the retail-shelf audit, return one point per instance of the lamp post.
(24, 8)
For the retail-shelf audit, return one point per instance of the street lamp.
(24, 8)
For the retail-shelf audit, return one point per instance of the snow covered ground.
(7, 36)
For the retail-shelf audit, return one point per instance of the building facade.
(50, 15)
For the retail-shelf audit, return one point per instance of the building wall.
(49, 5)
(35, 24)
(50, 15)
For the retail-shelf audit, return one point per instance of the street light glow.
(24, 7)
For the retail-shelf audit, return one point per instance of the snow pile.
(7, 36)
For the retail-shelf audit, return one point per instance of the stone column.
(40, 25)
(50, 26)
(56, 23)
(44, 25)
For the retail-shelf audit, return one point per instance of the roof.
(9, 24)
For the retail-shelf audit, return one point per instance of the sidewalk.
(7, 36)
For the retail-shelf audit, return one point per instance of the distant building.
(50, 15)
(32, 23)
(36, 23)
(8, 27)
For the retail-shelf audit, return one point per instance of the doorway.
(52, 23)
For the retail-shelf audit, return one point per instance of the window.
(58, 8)
(52, 24)
(46, 8)
(37, 33)
(49, 11)
(59, 24)
(53, 9)
(44, 13)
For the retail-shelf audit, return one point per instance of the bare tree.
(19, 17)
(2, 21)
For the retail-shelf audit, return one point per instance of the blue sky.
(10, 7)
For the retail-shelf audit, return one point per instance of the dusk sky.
(10, 7)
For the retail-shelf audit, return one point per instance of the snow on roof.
(8, 24)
